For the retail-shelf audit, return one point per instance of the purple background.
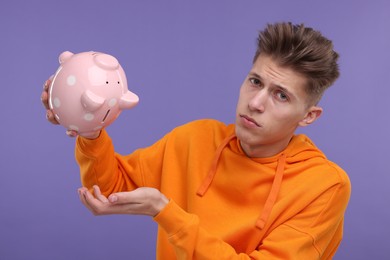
(186, 60)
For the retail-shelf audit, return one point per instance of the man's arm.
(308, 235)
(101, 166)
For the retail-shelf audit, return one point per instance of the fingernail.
(113, 199)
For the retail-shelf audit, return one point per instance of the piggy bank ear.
(106, 61)
(65, 56)
(128, 100)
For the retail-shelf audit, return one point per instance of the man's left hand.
(141, 201)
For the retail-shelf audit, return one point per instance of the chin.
(244, 135)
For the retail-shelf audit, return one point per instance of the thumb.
(134, 197)
(121, 198)
(113, 198)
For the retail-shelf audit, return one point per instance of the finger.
(45, 99)
(93, 204)
(45, 93)
(80, 191)
(83, 200)
(99, 195)
(46, 85)
(50, 117)
(71, 133)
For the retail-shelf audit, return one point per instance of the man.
(252, 190)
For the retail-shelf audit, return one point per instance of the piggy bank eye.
(118, 82)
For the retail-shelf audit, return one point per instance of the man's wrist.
(92, 136)
(161, 203)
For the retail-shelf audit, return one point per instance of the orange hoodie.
(224, 205)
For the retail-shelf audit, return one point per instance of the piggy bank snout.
(128, 100)
(106, 61)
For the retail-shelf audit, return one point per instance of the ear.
(312, 114)
(106, 61)
(66, 55)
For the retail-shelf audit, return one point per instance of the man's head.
(292, 68)
(303, 50)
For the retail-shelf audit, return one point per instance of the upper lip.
(250, 119)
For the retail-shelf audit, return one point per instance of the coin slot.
(105, 117)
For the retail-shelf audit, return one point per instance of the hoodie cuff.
(173, 218)
(92, 146)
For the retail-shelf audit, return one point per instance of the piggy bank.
(89, 91)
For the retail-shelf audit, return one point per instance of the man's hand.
(50, 115)
(45, 101)
(142, 201)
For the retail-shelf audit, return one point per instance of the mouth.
(249, 121)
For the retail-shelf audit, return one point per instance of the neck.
(264, 151)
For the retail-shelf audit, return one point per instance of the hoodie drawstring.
(213, 169)
(273, 194)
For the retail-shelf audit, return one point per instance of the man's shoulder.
(305, 153)
(203, 125)
(204, 128)
(207, 121)
(338, 173)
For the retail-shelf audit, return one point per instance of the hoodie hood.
(299, 149)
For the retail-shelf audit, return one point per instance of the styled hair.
(303, 50)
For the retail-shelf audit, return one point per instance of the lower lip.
(248, 123)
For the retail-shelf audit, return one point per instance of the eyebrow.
(289, 93)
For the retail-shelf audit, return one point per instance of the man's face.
(271, 105)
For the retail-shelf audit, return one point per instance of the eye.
(255, 81)
(282, 96)
(106, 82)
(118, 82)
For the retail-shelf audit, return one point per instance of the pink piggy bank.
(89, 91)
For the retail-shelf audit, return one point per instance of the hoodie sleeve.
(190, 241)
(308, 235)
(100, 165)
(112, 172)
(313, 233)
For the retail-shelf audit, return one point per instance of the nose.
(257, 101)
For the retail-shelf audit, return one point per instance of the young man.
(250, 190)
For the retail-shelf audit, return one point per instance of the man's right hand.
(49, 113)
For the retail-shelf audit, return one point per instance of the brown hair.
(305, 51)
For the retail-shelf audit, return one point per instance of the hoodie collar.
(276, 184)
